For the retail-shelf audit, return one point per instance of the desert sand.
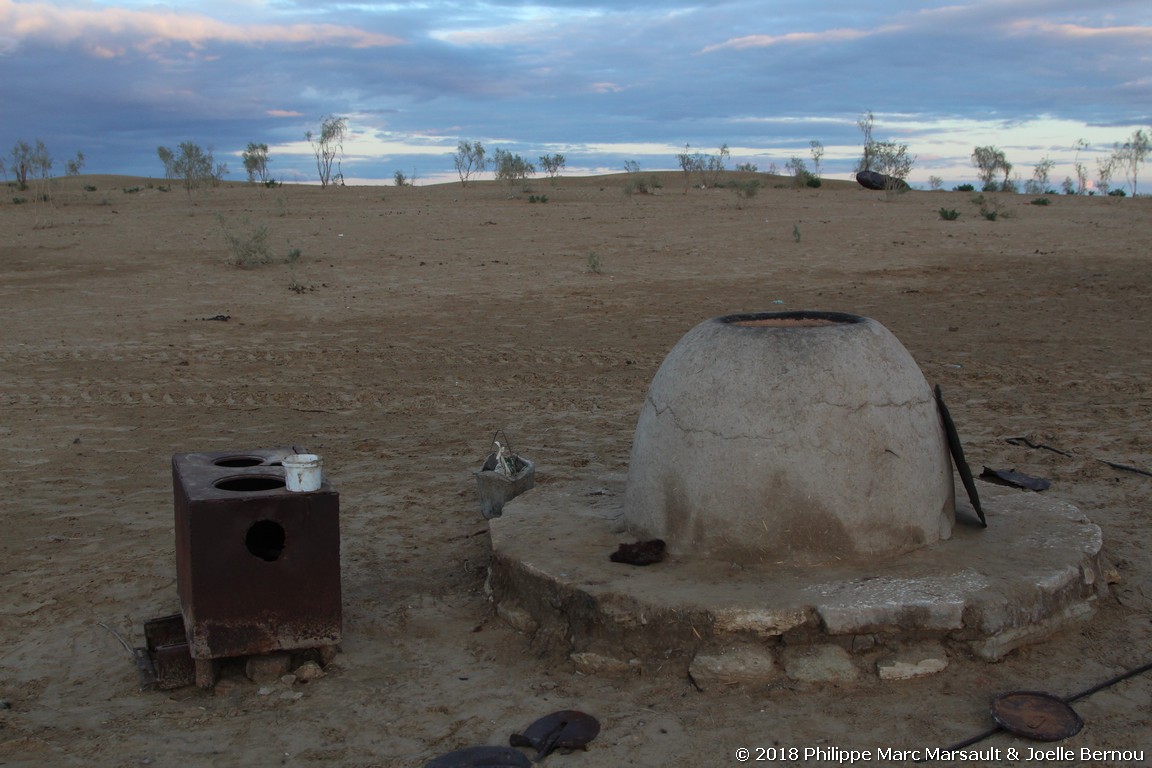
(417, 321)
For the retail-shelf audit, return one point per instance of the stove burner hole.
(265, 540)
(243, 483)
(239, 461)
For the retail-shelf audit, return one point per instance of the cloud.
(826, 36)
(113, 32)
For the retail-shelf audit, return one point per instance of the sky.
(599, 82)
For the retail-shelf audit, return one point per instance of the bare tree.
(73, 166)
(469, 159)
(191, 165)
(817, 155)
(989, 161)
(865, 124)
(169, 161)
(710, 166)
(688, 164)
(1105, 167)
(552, 165)
(29, 161)
(893, 161)
(1038, 184)
(328, 146)
(1131, 155)
(256, 162)
(798, 169)
(1081, 171)
(512, 168)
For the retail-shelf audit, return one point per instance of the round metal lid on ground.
(1034, 715)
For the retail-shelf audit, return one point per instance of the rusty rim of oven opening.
(1036, 715)
(798, 319)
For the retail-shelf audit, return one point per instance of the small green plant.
(745, 189)
(990, 207)
(813, 181)
(89, 188)
(19, 200)
(293, 256)
(949, 214)
(639, 186)
(164, 188)
(131, 190)
(796, 232)
(296, 286)
(538, 198)
(249, 246)
(1117, 193)
(964, 188)
(595, 264)
(1041, 201)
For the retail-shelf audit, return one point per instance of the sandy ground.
(415, 323)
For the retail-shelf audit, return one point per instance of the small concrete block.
(597, 664)
(998, 646)
(819, 664)
(267, 668)
(739, 664)
(764, 622)
(917, 661)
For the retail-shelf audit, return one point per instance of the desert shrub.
(89, 188)
(595, 264)
(1117, 193)
(636, 185)
(949, 214)
(538, 198)
(1041, 201)
(813, 181)
(745, 189)
(249, 245)
(990, 207)
(964, 188)
(19, 200)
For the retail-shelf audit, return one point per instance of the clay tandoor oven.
(790, 437)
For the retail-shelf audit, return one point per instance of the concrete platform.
(1035, 569)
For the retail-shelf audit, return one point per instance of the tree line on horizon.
(195, 166)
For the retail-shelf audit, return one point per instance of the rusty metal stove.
(257, 566)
